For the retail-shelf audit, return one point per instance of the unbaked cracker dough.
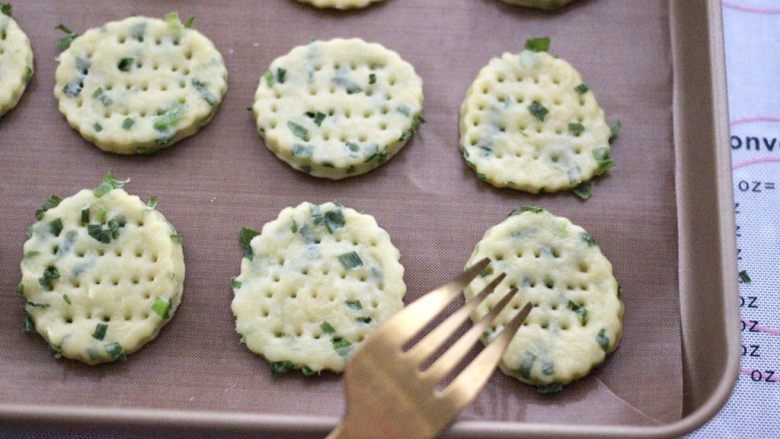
(141, 84)
(313, 285)
(16, 63)
(530, 122)
(101, 275)
(338, 108)
(557, 266)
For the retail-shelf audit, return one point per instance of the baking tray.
(664, 217)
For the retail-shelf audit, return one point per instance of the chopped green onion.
(125, 64)
(744, 277)
(28, 74)
(541, 44)
(245, 239)
(31, 254)
(115, 351)
(85, 216)
(279, 367)
(351, 86)
(66, 41)
(235, 284)
(487, 271)
(582, 88)
(100, 331)
(298, 131)
(327, 328)
(527, 365)
(51, 203)
(177, 238)
(66, 299)
(6, 9)
(334, 220)
(162, 307)
(341, 345)
(108, 184)
(603, 339)
(49, 274)
(29, 323)
(538, 110)
(294, 227)
(350, 260)
(152, 202)
(583, 190)
(547, 368)
(190, 21)
(576, 128)
(614, 130)
(203, 89)
(588, 239)
(37, 305)
(56, 351)
(372, 78)
(56, 227)
(527, 208)
(355, 304)
(603, 160)
(549, 388)
(307, 371)
(20, 289)
(580, 310)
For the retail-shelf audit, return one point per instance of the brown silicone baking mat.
(432, 205)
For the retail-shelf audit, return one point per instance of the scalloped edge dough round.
(67, 315)
(318, 110)
(16, 64)
(508, 146)
(173, 92)
(339, 4)
(296, 282)
(556, 265)
(540, 4)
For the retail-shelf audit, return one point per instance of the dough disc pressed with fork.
(340, 4)
(557, 266)
(141, 84)
(313, 285)
(529, 122)
(102, 273)
(16, 63)
(338, 108)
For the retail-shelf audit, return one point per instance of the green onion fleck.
(538, 110)
(614, 130)
(576, 128)
(279, 367)
(603, 339)
(487, 271)
(66, 41)
(66, 299)
(744, 277)
(603, 160)
(51, 203)
(350, 260)
(372, 78)
(307, 371)
(100, 331)
(56, 227)
(125, 64)
(177, 238)
(298, 131)
(546, 389)
(6, 9)
(582, 88)
(162, 307)
(190, 21)
(128, 123)
(108, 184)
(235, 284)
(152, 202)
(245, 240)
(527, 365)
(31, 254)
(583, 190)
(334, 220)
(115, 351)
(85, 216)
(49, 274)
(327, 328)
(29, 323)
(20, 289)
(341, 345)
(580, 310)
(588, 239)
(355, 304)
(541, 44)
(528, 208)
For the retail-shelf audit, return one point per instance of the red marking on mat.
(756, 119)
(752, 9)
(755, 162)
(749, 372)
(762, 328)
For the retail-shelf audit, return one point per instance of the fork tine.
(469, 382)
(410, 320)
(428, 345)
(444, 364)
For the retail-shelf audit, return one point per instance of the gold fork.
(389, 396)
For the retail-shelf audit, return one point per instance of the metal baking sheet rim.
(706, 388)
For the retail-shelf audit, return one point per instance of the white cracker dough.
(339, 4)
(140, 84)
(16, 63)
(508, 146)
(557, 266)
(295, 282)
(115, 284)
(365, 98)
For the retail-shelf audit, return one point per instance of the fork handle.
(338, 433)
